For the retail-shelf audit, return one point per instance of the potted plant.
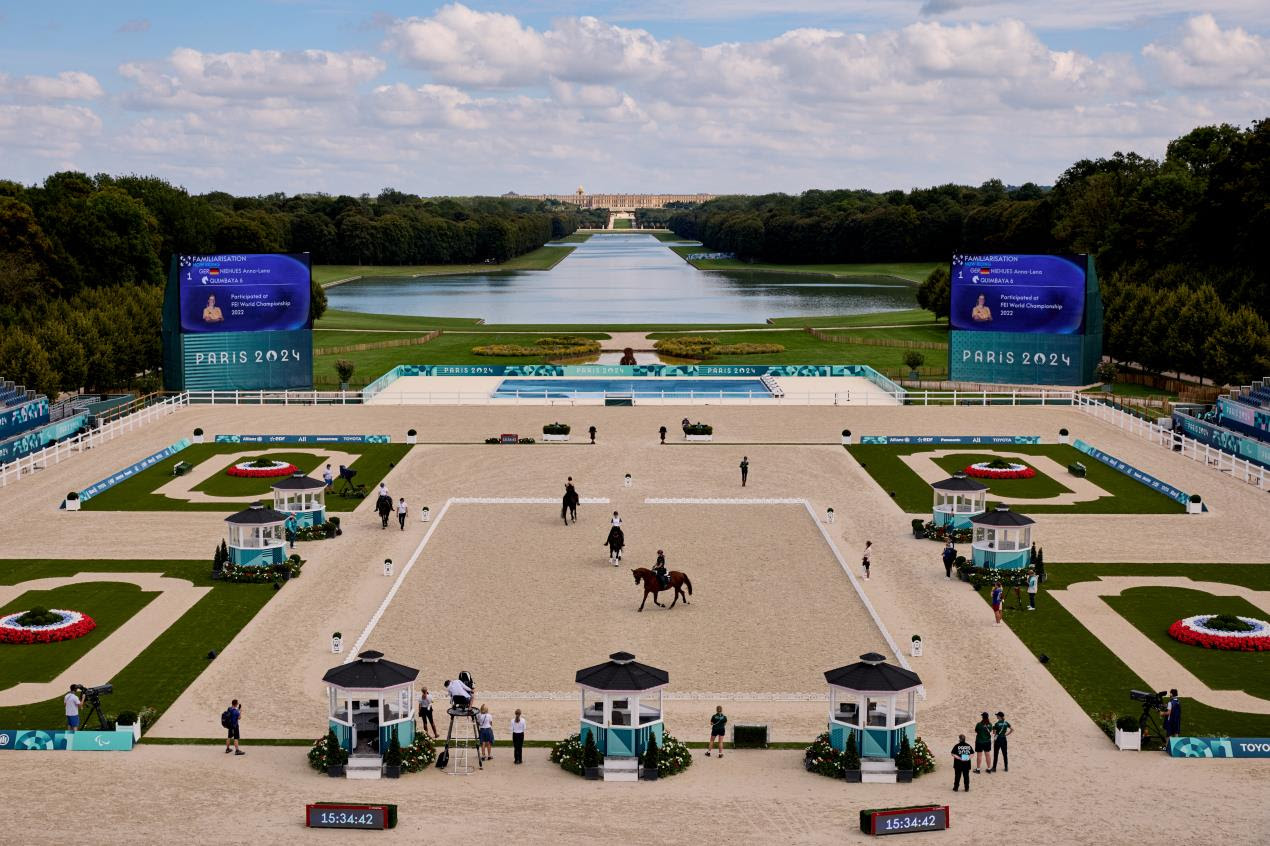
(913, 360)
(904, 761)
(336, 756)
(71, 503)
(344, 369)
(128, 721)
(652, 757)
(555, 431)
(412, 437)
(851, 760)
(592, 761)
(846, 436)
(337, 641)
(919, 527)
(1062, 436)
(1107, 372)
(698, 432)
(198, 436)
(1195, 505)
(392, 758)
(916, 649)
(1128, 734)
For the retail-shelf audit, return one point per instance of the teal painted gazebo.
(257, 537)
(875, 701)
(622, 705)
(1002, 539)
(302, 497)
(369, 699)
(957, 500)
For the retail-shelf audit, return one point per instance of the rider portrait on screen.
(212, 314)
(981, 313)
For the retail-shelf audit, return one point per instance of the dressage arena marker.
(877, 620)
(432, 527)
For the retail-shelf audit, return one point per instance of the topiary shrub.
(851, 753)
(1227, 623)
(326, 752)
(651, 755)
(1127, 723)
(904, 757)
(126, 718)
(698, 429)
(556, 428)
(392, 756)
(591, 757)
(39, 616)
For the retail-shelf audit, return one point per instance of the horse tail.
(688, 582)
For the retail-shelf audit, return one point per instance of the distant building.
(617, 202)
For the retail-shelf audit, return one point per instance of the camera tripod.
(93, 701)
(1149, 725)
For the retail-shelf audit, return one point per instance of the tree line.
(1162, 232)
(83, 259)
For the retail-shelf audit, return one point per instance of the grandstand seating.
(11, 394)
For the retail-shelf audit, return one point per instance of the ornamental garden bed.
(373, 463)
(44, 625)
(261, 468)
(673, 756)
(1223, 632)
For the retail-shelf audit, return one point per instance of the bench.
(1076, 469)
(181, 468)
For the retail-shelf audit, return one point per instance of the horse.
(615, 541)
(569, 504)
(652, 585)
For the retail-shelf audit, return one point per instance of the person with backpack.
(229, 721)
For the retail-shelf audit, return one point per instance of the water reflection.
(623, 279)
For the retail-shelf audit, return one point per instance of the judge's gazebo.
(368, 700)
(1002, 539)
(257, 537)
(621, 706)
(877, 702)
(957, 500)
(302, 497)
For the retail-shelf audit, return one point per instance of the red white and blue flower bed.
(255, 470)
(1001, 470)
(1196, 632)
(72, 624)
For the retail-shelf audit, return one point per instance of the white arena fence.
(57, 452)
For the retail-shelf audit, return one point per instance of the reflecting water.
(623, 279)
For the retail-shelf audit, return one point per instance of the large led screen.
(244, 293)
(1037, 294)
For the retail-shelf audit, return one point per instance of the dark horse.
(653, 585)
(569, 504)
(615, 541)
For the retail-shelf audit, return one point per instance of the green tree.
(65, 354)
(935, 293)
(1200, 316)
(1240, 348)
(24, 361)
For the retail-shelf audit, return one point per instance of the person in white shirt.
(401, 513)
(868, 557)
(1033, 583)
(329, 478)
(425, 712)
(73, 704)
(617, 521)
(485, 728)
(460, 694)
(383, 489)
(518, 737)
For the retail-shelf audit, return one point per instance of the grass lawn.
(543, 258)
(914, 496)
(1125, 389)
(137, 493)
(623, 223)
(804, 348)
(110, 604)
(1099, 681)
(1153, 609)
(1039, 486)
(331, 338)
(222, 484)
(575, 238)
(175, 658)
(880, 318)
(909, 271)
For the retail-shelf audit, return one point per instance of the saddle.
(663, 578)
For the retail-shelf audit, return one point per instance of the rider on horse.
(660, 570)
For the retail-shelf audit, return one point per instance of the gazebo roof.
(256, 515)
(1002, 518)
(872, 673)
(370, 672)
(959, 483)
(298, 482)
(622, 672)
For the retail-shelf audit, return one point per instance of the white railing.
(1224, 462)
(57, 452)
(274, 397)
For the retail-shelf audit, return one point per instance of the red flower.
(262, 472)
(77, 629)
(1235, 643)
(989, 473)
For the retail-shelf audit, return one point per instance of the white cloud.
(47, 132)
(427, 105)
(67, 85)
(1207, 56)
(463, 46)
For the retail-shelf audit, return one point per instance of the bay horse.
(652, 585)
(615, 542)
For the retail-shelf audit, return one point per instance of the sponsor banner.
(1133, 472)
(128, 472)
(247, 361)
(1258, 452)
(950, 439)
(1219, 747)
(36, 740)
(1257, 419)
(15, 448)
(713, 371)
(16, 419)
(303, 439)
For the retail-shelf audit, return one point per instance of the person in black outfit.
(569, 506)
(662, 432)
(659, 569)
(962, 754)
(950, 556)
(591, 432)
(745, 469)
(1001, 730)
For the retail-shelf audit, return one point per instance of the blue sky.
(654, 95)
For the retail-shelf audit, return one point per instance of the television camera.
(1152, 703)
(92, 698)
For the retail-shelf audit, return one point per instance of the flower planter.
(411, 437)
(337, 645)
(556, 438)
(1128, 740)
(1194, 508)
(391, 771)
(336, 771)
(698, 437)
(593, 773)
(648, 774)
(852, 776)
(903, 776)
(71, 504)
(198, 439)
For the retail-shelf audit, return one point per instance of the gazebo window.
(875, 713)
(396, 707)
(904, 708)
(593, 707)
(650, 711)
(339, 705)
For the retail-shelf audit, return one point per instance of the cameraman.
(1173, 715)
(73, 704)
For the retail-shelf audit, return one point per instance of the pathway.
(1081, 490)
(182, 487)
(1085, 601)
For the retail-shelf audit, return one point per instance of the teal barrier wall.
(130, 471)
(1219, 747)
(1134, 473)
(16, 419)
(1258, 452)
(36, 740)
(15, 448)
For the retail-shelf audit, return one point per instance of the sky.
(541, 96)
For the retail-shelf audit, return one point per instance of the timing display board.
(908, 820)
(251, 292)
(371, 817)
(1041, 294)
